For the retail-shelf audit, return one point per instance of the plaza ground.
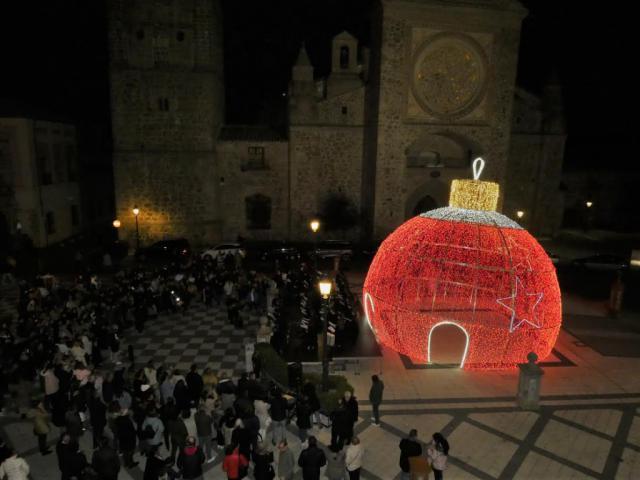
(588, 425)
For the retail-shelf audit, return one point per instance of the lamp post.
(520, 213)
(136, 212)
(116, 223)
(315, 226)
(588, 204)
(325, 290)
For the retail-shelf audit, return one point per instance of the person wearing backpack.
(152, 429)
(438, 453)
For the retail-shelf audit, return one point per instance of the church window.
(180, 36)
(344, 57)
(258, 212)
(44, 167)
(140, 34)
(163, 104)
(50, 223)
(255, 159)
(59, 164)
(344, 110)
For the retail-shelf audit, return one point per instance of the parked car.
(221, 251)
(603, 261)
(166, 251)
(334, 248)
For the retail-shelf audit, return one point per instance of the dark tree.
(338, 213)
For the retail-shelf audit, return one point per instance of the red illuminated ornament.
(474, 270)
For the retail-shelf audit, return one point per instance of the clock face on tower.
(449, 75)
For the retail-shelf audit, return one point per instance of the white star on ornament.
(524, 265)
(513, 304)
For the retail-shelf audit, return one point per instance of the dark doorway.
(425, 204)
(447, 345)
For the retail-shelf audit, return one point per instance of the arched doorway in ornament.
(448, 345)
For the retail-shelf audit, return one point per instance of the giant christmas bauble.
(477, 271)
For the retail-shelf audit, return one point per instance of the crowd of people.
(69, 338)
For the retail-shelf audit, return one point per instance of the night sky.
(54, 57)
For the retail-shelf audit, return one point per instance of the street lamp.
(588, 203)
(519, 214)
(325, 290)
(136, 212)
(315, 226)
(116, 223)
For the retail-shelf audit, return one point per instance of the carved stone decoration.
(449, 75)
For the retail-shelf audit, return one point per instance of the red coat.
(232, 464)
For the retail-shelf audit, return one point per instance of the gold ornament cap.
(475, 194)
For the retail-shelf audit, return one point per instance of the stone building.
(39, 190)
(387, 130)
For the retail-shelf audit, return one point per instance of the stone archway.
(425, 204)
(431, 194)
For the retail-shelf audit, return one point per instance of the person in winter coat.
(437, 453)
(227, 424)
(409, 447)
(303, 417)
(156, 465)
(152, 428)
(375, 397)
(105, 461)
(125, 432)
(263, 463)
(309, 390)
(190, 460)
(335, 463)
(182, 396)
(14, 467)
(286, 462)
(241, 437)
(278, 417)
(195, 384)
(98, 417)
(351, 404)
(353, 459)
(178, 432)
(73, 462)
(235, 463)
(41, 427)
(311, 460)
(203, 426)
(73, 422)
(340, 424)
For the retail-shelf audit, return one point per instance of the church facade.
(386, 131)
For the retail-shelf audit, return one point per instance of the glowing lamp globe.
(468, 268)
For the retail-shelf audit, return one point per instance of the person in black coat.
(351, 404)
(105, 461)
(156, 465)
(70, 460)
(126, 434)
(98, 416)
(190, 460)
(409, 447)
(340, 424)
(303, 417)
(182, 396)
(195, 384)
(309, 390)
(241, 437)
(311, 460)
(262, 461)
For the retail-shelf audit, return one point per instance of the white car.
(221, 251)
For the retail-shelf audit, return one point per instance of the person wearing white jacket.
(14, 468)
(353, 459)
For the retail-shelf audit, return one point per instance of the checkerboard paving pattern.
(201, 335)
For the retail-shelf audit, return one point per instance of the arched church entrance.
(425, 204)
(447, 345)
